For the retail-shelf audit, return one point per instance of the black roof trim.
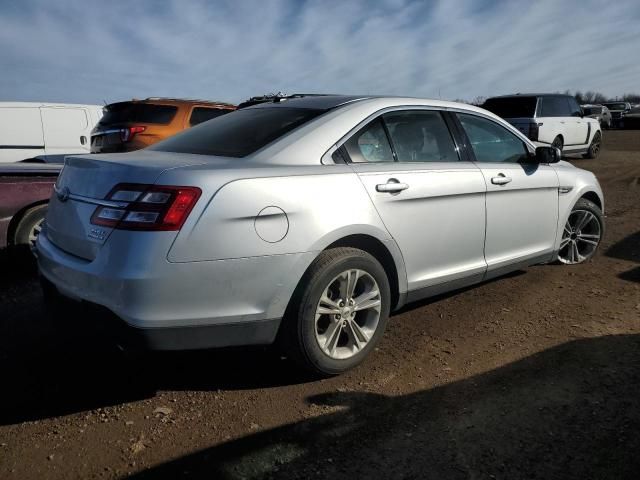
(314, 101)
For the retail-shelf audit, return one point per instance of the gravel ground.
(534, 375)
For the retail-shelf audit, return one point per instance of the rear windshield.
(124, 112)
(592, 110)
(238, 133)
(615, 106)
(512, 107)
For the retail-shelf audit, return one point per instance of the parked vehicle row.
(305, 221)
(550, 119)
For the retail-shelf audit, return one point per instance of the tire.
(29, 226)
(594, 148)
(580, 240)
(558, 143)
(323, 344)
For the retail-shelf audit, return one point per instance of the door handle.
(501, 179)
(392, 186)
(83, 140)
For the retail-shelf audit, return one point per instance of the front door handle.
(501, 179)
(83, 140)
(392, 186)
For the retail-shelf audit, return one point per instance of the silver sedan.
(306, 220)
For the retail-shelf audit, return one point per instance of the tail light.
(127, 134)
(534, 131)
(148, 207)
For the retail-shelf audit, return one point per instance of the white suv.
(550, 119)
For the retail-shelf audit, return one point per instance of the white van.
(45, 130)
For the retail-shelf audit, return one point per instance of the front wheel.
(582, 233)
(594, 148)
(339, 312)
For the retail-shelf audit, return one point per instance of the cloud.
(85, 51)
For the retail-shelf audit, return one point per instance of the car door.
(431, 201)
(66, 131)
(580, 126)
(521, 198)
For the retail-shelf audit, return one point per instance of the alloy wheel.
(580, 238)
(347, 314)
(33, 234)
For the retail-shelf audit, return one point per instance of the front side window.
(370, 144)
(420, 136)
(492, 142)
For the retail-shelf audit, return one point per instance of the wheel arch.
(380, 252)
(593, 197)
(17, 217)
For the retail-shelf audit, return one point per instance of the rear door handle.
(83, 140)
(501, 179)
(392, 186)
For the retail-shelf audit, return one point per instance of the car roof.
(516, 95)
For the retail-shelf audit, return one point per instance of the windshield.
(512, 107)
(239, 133)
(124, 112)
(616, 106)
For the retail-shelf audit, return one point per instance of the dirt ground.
(536, 375)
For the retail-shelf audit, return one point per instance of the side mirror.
(548, 155)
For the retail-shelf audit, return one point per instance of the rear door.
(521, 199)
(66, 130)
(20, 133)
(430, 200)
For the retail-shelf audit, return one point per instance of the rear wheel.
(594, 148)
(582, 233)
(558, 143)
(340, 312)
(30, 225)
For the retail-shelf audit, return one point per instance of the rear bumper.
(187, 305)
(89, 319)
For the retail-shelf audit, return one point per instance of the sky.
(86, 51)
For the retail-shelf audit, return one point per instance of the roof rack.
(276, 98)
(193, 100)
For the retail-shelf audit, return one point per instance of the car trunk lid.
(85, 183)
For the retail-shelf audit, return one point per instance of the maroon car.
(24, 194)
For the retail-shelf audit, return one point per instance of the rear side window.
(370, 144)
(125, 112)
(420, 136)
(555, 107)
(202, 114)
(512, 107)
(239, 133)
(492, 142)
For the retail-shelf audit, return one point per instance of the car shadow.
(569, 412)
(627, 249)
(78, 369)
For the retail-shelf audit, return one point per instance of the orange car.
(128, 126)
